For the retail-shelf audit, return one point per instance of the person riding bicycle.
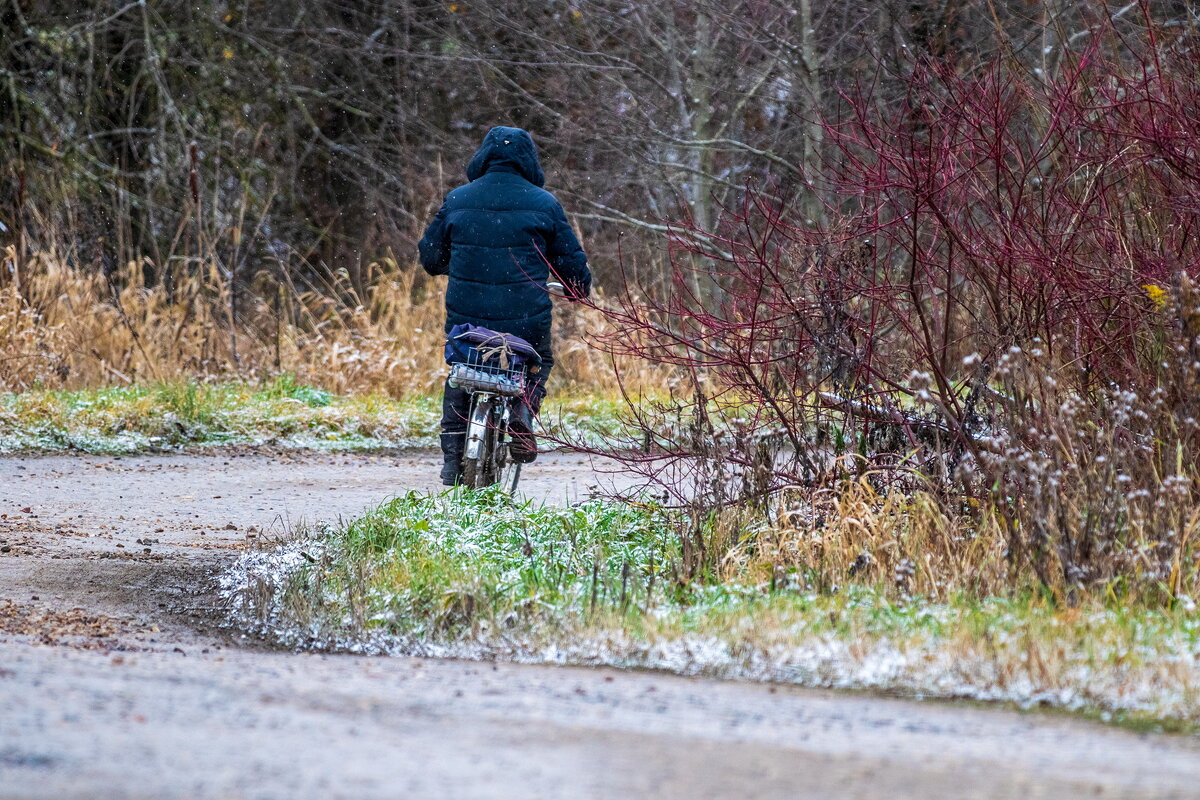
(501, 238)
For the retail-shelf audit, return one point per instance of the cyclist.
(501, 237)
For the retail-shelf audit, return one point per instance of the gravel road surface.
(117, 681)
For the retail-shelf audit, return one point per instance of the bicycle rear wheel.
(510, 476)
(485, 456)
(479, 455)
(508, 472)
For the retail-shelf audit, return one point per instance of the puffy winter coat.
(499, 237)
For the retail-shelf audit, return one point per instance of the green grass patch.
(446, 563)
(280, 412)
(157, 417)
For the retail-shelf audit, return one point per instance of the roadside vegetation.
(282, 413)
(173, 416)
(91, 367)
(481, 575)
(64, 328)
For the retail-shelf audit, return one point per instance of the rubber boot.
(523, 447)
(452, 457)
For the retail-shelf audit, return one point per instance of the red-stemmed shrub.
(997, 246)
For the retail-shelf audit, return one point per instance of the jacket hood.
(511, 147)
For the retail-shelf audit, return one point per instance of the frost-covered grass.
(591, 419)
(447, 566)
(282, 412)
(479, 575)
(172, 415)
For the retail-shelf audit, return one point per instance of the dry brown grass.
(63, 328)
(1090, 512)
(908, 542)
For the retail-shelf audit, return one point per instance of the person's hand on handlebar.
(556, 289)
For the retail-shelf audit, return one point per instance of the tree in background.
(321, 133)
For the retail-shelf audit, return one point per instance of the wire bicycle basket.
(480, 374)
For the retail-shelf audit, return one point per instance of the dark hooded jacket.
(500, 238)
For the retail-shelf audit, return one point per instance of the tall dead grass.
(62, 327)
(907, 543)
(1141, 544)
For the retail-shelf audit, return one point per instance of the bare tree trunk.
(810, 104)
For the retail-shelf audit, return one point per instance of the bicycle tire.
(491, 464)
(470, 475)
(510, 475)
(508, 472)
(481, 471)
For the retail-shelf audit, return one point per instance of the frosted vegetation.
(280, 413)
(175, 415)
(480, 575)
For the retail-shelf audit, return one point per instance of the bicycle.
(492, 389)
(486, 375)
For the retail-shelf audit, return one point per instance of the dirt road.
(115, 683)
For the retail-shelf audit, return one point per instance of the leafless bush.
(1101, 490)
(986, 327)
